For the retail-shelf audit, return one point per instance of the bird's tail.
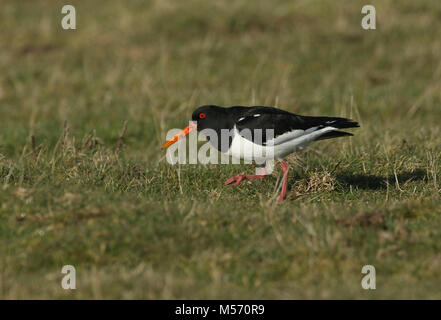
(342, 123)
(338, 123)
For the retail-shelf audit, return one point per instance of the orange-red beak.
(180, 135)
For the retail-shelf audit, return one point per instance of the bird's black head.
(206, 117)
(211, 117)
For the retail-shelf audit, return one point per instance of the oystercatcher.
(281, 133)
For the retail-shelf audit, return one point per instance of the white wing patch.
(293, 141)
(294, 134)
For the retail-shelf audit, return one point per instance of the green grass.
(136, 227)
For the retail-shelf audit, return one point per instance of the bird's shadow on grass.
(377, 182)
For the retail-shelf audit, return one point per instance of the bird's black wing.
(252, 119)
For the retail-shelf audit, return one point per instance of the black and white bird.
(281, 133)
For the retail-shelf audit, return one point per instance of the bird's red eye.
(202, 115)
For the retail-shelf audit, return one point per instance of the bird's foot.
(237, 179)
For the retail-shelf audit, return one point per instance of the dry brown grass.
(316, 182)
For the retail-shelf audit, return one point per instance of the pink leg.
(285, 169)
(240, 177)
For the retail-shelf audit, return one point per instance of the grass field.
(73, 192)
